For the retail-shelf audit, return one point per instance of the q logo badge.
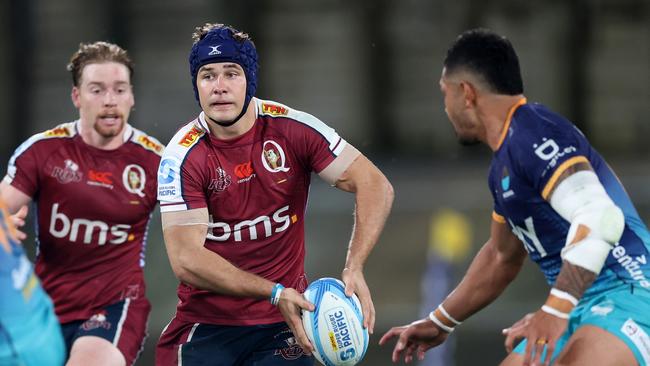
(273, 157)
(133, 178)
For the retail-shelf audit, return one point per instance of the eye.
(207, 76)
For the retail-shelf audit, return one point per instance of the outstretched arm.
(494, 267)
(185, 233)
(374, 198)
(16, 202)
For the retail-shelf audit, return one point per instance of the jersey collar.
(506, 125)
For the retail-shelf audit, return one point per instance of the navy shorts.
(123, 323)
(190, 344)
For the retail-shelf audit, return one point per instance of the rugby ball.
(335, 327)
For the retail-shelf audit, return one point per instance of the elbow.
(182, 268)
(612, 224)
(386, 189)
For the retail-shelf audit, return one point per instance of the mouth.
(221, 105)
(110, 118)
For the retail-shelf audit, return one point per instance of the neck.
(242, 126)
(494, 112)
(94, 139)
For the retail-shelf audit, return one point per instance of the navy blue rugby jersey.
(536, 146)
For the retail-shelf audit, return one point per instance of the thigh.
(276, 347)
(122, 324)
(591, 345)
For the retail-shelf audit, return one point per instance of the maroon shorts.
(123, 323)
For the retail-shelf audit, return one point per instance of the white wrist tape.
(434, 319)
(549, 310)
(582, 200)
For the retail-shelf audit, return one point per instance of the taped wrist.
(559, 303)
(441, 318)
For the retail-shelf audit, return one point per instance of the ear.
(469, 93)
(75, 96)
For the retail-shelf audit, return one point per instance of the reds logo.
(292, 352)
(191, 137)
(97, 321)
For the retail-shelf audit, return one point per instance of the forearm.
(487, 277)
(201, 268)
(373, 204)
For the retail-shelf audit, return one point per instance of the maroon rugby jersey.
(255, 188)
(93, 210)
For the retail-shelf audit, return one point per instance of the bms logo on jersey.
(61, 226)
(550, 151)
(221, 231)
(169, 178)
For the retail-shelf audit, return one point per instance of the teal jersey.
(536, 147)
(29, 331)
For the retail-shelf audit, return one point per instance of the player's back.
(29, 331)
(540, 145)
(93, 210)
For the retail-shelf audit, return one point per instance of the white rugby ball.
(335, 327)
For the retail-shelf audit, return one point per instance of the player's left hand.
(539, 329)
(355, 283)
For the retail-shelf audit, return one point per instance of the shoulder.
(282, 116)
(51, 137)
(185, 139)
(146, 142)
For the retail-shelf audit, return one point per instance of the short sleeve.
(23, 171)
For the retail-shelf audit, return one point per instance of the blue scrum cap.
(220, 45)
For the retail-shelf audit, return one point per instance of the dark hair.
(488, 55)
(98, 52)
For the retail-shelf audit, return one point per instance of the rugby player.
(555, 200)
(233, 187)
(93, 182)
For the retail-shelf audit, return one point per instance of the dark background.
(369, 69)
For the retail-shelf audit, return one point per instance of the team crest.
(97, 321)
(222, 181)
(273, 157)
(134, 179)
(292, 351)
(70, 173)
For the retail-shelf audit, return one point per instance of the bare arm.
(373, 199)
(184, 234)
(13, 197)
(491, 271)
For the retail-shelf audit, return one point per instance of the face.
(104, 97)
(458, 112)
(222, 90)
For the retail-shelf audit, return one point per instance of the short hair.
(97, 52)
(488, 55)
(201, 31)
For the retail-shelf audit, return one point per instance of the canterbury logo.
(244, 170)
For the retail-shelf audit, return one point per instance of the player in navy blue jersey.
(555, 200)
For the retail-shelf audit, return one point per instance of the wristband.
(559, 303)
(275, 295)
(441, 318)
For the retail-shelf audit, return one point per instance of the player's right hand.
(18, 219)
(414, 339)
(291, 303)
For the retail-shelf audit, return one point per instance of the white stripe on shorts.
(180, 346)
(120, 323)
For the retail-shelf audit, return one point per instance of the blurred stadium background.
(370, 69)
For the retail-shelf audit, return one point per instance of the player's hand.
(18, 219)
(414, 339)
(355, 283)
(290, 305)
(540, 329)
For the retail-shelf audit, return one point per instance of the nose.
(219, 86)
(109, 98)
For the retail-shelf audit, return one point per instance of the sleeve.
(180, 185)
(497, 212)
(23, 171)
(541, 156)
(322, 149)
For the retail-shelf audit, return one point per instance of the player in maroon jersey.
(233, 186)
(93, 183)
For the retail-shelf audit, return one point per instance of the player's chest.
(263, 172)
(117, 182)
(513, 192)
